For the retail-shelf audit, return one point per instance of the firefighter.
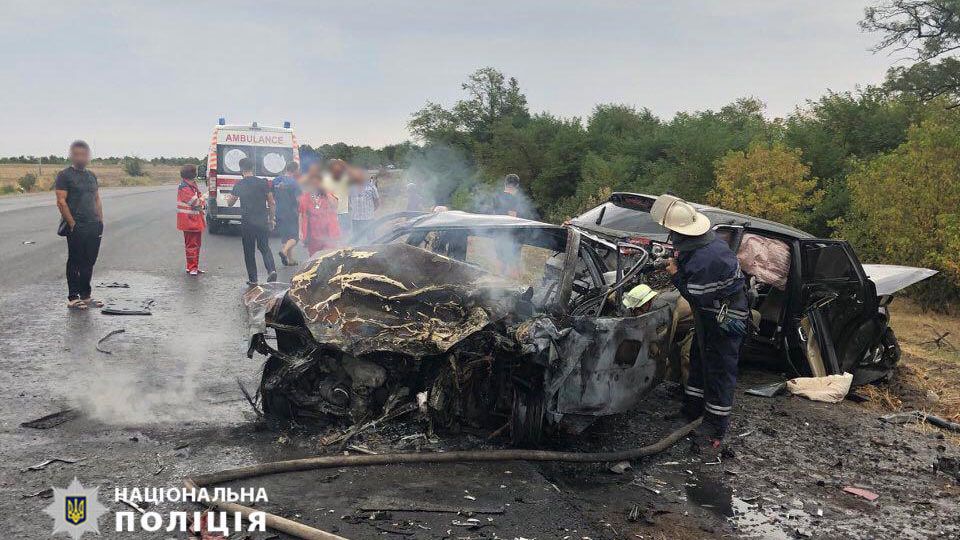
(707, 274)
(190, 209)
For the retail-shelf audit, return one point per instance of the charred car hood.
(389, 298)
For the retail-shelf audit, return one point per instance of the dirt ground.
(165, 404)
(107, 175)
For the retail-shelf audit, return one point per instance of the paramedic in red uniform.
(319, 225)
(190, 209)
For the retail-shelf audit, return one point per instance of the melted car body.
(472, 317)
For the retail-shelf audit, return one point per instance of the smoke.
(133, 393)
(444, 176)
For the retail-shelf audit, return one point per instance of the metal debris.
(52, 420)
(43, 465)
(861, 492)
(106, 337)
(128, 307)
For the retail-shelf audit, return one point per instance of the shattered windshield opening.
(522, 255)
(629, 213)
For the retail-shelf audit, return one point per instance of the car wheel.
(891, 348)
(526, 418)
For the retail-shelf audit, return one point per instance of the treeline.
(879, 166)
(112, 160)
(398, 155)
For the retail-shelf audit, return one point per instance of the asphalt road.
(165, 404)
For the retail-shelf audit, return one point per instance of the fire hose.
(305, 532)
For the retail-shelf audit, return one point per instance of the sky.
(151, 78)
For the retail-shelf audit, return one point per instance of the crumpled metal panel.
(397, 298)
(599, 366)
(259, 301)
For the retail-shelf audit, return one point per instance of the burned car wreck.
(487, 321)
(474, 320)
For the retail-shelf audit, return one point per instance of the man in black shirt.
(508, 250)
(256, 220)
(506, 202)
(81, 212)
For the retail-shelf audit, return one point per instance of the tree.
(930, 31)
(491, 98)
(689, 145)
(836, 131)
(768, 181)
(133, 166)
(905, 205)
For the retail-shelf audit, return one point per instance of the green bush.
(133, 166)
(7, 189)
(27, 182)
(903, 206)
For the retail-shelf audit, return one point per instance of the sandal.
(76, 303)
(92, 302)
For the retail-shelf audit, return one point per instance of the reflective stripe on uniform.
(704, 288)
(189, 212)
(717, 409)
(693, 391)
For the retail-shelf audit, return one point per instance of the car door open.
(837, 307)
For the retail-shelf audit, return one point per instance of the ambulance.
(270, 148)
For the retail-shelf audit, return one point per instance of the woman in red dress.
(319, 228)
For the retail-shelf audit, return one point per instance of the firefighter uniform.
(190, 220)
(707, 274)
(709, 278)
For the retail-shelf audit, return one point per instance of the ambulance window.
(229, 156)
(271, 161)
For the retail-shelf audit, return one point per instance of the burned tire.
(526, 418)
(275, 405)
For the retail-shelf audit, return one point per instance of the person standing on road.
(286, 191)
(319, 226)
(364, 201)
(257, 219)
(81, 212)
(707, 274)
(336, 182)
(190, 210)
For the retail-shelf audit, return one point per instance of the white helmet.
(678, 215)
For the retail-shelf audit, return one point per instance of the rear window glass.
(624, 213)
(268, 161)
(827, 261)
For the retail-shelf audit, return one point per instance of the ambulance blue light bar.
(221, 121)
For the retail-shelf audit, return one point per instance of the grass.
(107, 175)
(928, 377)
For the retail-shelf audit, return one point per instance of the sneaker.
(283, 257)
(252, 283)
(194, 272)
(272, 276)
